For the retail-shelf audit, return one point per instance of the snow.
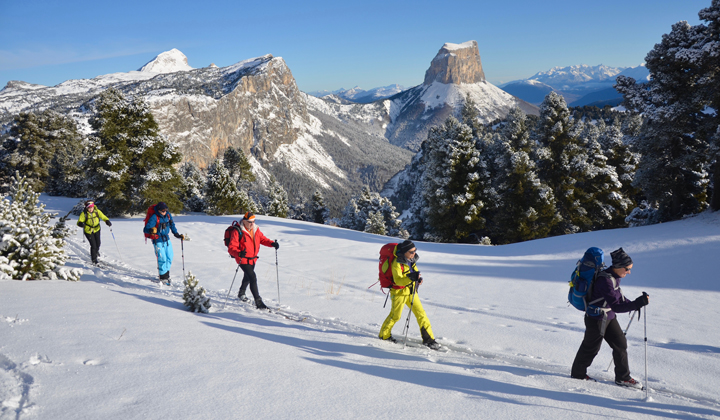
(453, 47)
(167, 62)
(117, 346)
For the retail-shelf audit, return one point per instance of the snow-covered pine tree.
(27, 246)
(375, 224)
(194, 295)
(454, 183)
(29, 149)
(527, 206)
(222, 195)
(357, 212)
(67, 177)
(191, 194)
(277, 200)
(129, 162)
(562, 163)
(679, 141)
(319, 212)
(238, 166)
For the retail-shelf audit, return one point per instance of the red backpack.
(235, 226)
(150, 212)
(387, 257)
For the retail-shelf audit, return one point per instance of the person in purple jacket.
(604, 324)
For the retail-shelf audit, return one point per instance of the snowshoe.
(432, 344)
(390, 339)
(586, 378)
(630, 383)
(243, 298)
(259, 304)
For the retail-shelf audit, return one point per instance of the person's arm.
(263, 239)
(172, 225)
(615, 300)
(101, 215)
(151, 223)
(236, 246)
(400, 275)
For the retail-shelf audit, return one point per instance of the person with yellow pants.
(406, 279)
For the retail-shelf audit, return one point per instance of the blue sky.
(330, 44)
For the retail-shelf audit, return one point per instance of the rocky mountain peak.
(456, 63)
(167, 62)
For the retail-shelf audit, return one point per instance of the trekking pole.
(182, 253)
(407, 321)
(647, 384)
(277, 275)
(116, 245)
(231, 285)
(632, 316)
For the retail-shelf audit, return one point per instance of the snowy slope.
(167, 62)
(118, 346)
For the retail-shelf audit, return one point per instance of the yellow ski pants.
(399, 299)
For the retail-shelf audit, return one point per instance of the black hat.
(405, 247)
(620, 259)
(160, 206)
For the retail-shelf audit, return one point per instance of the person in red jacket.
(244, 248)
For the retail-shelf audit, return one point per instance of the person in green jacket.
(89, 220)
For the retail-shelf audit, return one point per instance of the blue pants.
(164, 254)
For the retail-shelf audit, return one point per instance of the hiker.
(244, 248)
(89, 220)
(605, 325)
(406, 279)
(158, 227)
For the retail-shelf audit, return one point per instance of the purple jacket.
(607, 286)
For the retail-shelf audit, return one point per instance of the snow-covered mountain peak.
(582, 73)
(168, 62)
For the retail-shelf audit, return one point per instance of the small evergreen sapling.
(194, 295)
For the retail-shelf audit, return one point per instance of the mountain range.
(579, 85)
(306, 142)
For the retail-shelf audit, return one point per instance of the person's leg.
(616, 339)
(588, 349)
(396, 307)
(97, 243)
(165, 255)
(93, 247)
(248, 274)
(422, 319)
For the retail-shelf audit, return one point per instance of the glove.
(81, 224)
(642, 300)
(275, 244)
(414, 276)
(153, 230)
(179, 236)
(107, 222)
(242, 254)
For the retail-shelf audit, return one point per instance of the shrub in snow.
(277, 200)
(319, 212)
(194, 295)
(28, 248)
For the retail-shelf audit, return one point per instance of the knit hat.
(89, 204)
(620, 259)
(249, 216)
(161, 206)
(405, 247)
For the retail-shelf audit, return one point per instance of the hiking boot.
(259, 304)
(586, 378)
(390, 339)
(432, 344)
(243, 298)
(630, 383)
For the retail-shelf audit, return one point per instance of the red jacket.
(250, 243)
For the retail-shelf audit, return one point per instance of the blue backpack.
(581, 280)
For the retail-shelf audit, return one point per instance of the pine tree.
(679, 140)
(562, 163)
(194, 295)
(454, 183)
(67, 177)
(319, 212)
(375, 224)
(28, 249)
(527, 205)
(358, 212)
(222, 195)
(129, 161)
(191, 194)
(238, 166)
(29, 149)
(277, 200)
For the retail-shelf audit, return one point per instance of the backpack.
(235, 226)
(581, 280)
(387, 257)
(150, 212)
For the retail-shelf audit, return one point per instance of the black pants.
(249, 278)
(591, 346)
(94, 239)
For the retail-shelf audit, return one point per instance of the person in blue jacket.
(160, 225)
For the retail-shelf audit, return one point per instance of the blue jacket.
(164, 225)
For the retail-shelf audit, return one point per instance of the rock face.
(456, 63)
